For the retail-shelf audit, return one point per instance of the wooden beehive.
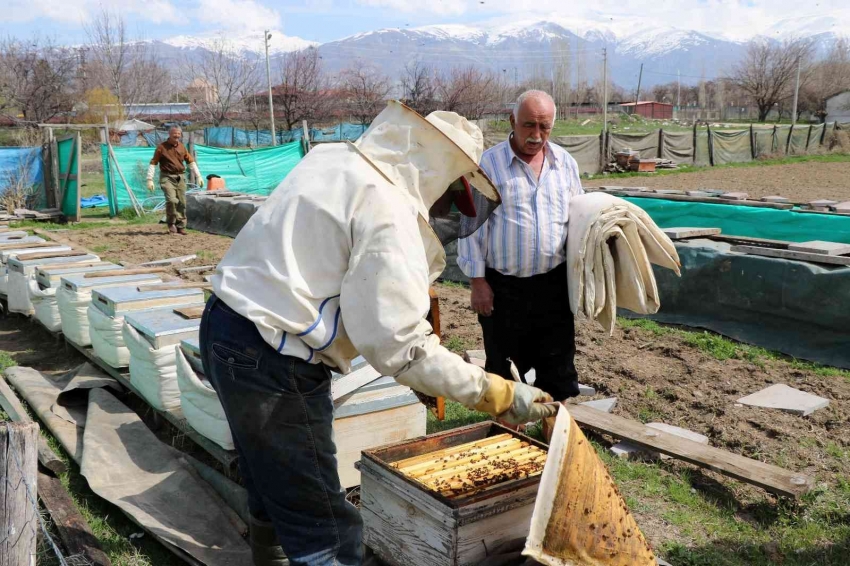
(81, 283)
(29, 266)
(6, 254)
(163, 327)
(406, 522)
(115, 301)
(51, 276)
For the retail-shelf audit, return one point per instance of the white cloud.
(236, 14)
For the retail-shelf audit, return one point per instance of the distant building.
(838, 107)
(200, 91)
(653, 110)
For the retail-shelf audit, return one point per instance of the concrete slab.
(774, 199)
(699, 194)
(734, 196)
(662, 562)
(820, 247)
(680, 233)
(785, 398)
(843, 207)
(667, 192)
(476, 354)
(626, 449)
(606, 405)
(822, 203)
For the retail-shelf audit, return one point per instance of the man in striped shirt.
(516, 259)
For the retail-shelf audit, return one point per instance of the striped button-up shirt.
(527, 234)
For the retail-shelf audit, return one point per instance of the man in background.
(171, 155)
(516, 260)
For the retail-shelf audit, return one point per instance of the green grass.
(456, 345)
(453, 284)
(456, 416)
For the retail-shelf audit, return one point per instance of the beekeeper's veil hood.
(424, 156)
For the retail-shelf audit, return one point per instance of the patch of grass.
(646, 324)
(6, 360)
(818, 369)
(714, 345)
(456, 344)
(456, 416)
(649, 415)
(453, 284)
(99, 249)
(85, 225)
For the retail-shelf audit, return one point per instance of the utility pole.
(637, 96)
(796, 94)
(604, 90)
(678, 89)
(266, 37)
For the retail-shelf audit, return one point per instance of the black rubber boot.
(265, 548)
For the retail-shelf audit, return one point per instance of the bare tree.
(366, 90)
(419, 87)
(469, 91)
(224, 75)
(123, 65)
(828, 77)
(303, 90)
(767, 73)
(36, 79)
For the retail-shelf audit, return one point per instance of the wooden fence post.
(18, 485)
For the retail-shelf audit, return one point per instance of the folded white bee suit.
(339, 259)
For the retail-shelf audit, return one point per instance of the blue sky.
(325, 20)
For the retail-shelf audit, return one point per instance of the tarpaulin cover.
(763, 138)
(256, 171)
(646, 144)
(702, 155)
(95, 201)
(816, 137)
(780, 139)
(794, 307)
(218, 215)
(584, 149)
(155, 137)
(23, 166)
(229, 136)
(731, 147)
(799, 140)
(748, 221)
(678, 147)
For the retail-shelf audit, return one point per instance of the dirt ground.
(661, 378)
(800, 182)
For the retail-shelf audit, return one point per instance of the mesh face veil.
(470, 209)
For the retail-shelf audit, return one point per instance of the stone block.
(822, 203)
(699, 194)
(606, 405)
(734, 196)
(476, 354)
(820, 247)
(842, 207)
(667, 191)
(679, 233)
(662, 562)
(785, 398)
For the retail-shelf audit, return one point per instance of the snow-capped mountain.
(533, 48)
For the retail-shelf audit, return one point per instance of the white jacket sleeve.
(384, 301)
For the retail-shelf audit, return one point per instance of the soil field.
(800, 182)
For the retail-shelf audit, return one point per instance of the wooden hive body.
(50, 277)
(115, 301)
(29, 266)
(162, 326)
(404, 523)
(82, 283)
(6, 254)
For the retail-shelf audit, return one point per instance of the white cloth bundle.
(4, 280)
(153, 373)
(72, 310)
(45, 306)
(200, 404)
(610, 246)
(107, 338)
(18, 293)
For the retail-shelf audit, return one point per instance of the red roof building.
(650, 109)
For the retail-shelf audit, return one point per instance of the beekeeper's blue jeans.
(281, 414)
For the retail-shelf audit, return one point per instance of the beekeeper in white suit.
(338, 262)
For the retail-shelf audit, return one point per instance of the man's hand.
(482, 296)
(150, 185)
(201, 182)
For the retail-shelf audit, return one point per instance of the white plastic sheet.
(200, 404)
(610, 246)
(72, 310)
(45, 306)
(18, 293)
(107, 338)
(153, 372)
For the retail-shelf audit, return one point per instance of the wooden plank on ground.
(747, 241)
(165, 287)
(73, 529)
(19, 519)
(16, 411)
(788, 254)
(197, 269)
(27, 246)
(48, 255)
(683, 233)
(132, 271)
(190, 312)
(771, 478)
(169, 261)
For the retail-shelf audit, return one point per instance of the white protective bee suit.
(339, 259)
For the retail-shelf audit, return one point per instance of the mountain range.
(526, 49)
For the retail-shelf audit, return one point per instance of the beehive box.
(115, 301)
(27, 267)
(19, 239)
(163, 327)
(408, 523)
(6, 254)
(192, 350)
(82, 283)
(50, 276)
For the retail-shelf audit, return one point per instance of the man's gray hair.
(175, 128)
(534, 94)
